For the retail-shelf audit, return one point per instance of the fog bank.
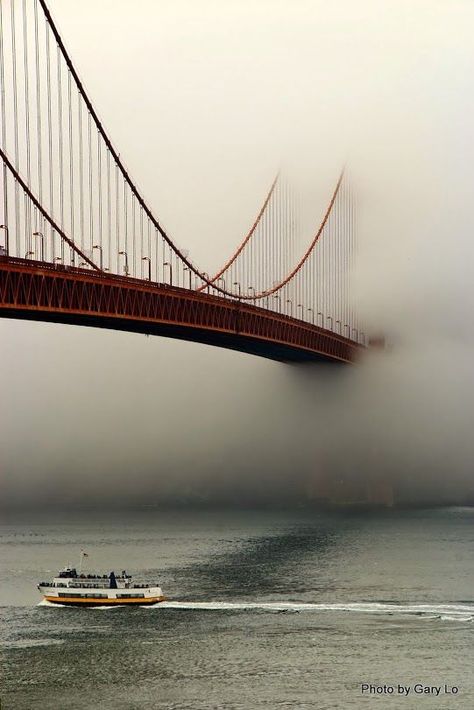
(206, 100)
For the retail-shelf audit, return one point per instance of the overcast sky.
(205, 101)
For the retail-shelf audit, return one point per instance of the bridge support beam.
(60, 294)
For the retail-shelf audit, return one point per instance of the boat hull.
(75, 601)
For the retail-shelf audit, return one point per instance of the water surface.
(266, 610)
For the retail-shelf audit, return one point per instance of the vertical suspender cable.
(27, 94)
(81, 169)
(99, 183)
(91, 193)
(140, 253)
(117, 219)
(50, 127)
(125, 211)
(38, 105)
(109, 213)
(132, 260)
(148, 223)
(60, 144)
(26, 86)
(15, 123)
(3, 121)
(72, 195)
(26, 79)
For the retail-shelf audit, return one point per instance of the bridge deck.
(38, 291)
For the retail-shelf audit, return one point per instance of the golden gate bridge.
(80, 245)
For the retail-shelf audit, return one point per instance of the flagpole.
(83, 554)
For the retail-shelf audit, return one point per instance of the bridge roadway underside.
(37, 291)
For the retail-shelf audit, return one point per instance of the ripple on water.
(29, 643)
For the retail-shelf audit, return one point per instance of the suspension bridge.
(80, 245)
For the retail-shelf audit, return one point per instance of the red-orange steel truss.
(35, 291)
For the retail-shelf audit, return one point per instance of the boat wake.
(444, 612)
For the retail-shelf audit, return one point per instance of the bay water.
(266, 609)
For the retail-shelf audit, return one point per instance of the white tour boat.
(72, 589)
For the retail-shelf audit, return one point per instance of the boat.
(71, 588)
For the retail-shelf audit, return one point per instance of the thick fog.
(205, 101)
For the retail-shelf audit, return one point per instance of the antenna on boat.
(83, 554)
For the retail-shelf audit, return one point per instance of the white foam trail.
(445, 612)
(433, 610)
(56, 605)
(458, 617)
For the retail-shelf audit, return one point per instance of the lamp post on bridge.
(322, 318)
(222, 280)
(125, 267)
(147, 258)
(41, 235)
(206, 276)
(356, 332)
(288, 300)
(300, 305)
(28, 254)
(278, 297)
(101, 261)
(312, 314)
(186, 268)
(236, 283)
(168, 263)
(340, 327)
(332, 321)
(57, 259)
(7, 238)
